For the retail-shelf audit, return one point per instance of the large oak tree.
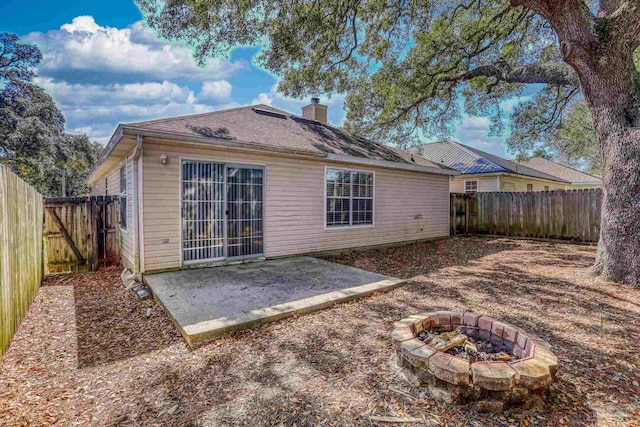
(405, 65)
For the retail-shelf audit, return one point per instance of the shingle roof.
(268, 127)
(561, 171)
(469, 160)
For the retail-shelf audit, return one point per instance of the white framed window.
(529, 187)
(123, 196)
(546, 188)
(349, 198)
(471, 186)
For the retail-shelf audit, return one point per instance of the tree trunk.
(600, 50)
(608, 91)
(618, 256)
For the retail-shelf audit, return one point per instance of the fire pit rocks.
(467, 357)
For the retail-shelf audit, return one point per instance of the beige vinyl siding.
(408, 205)
(108, 184)
(513, 183)
(485, 183)
(582, 186)
(113, 182)
(99, 188)
(128, 235)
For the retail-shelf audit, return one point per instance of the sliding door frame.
(226, 218)
(225, 166)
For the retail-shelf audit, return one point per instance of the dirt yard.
(86, 354)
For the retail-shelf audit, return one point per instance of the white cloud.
(215, 91)
(84, 45)
(81, 23)
(101, 76)
(473, 131)
(140, 93)
(263, 98)
(97, 109)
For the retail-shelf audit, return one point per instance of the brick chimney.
(315, 111)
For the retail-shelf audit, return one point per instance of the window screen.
(349, 198)
(470, 186)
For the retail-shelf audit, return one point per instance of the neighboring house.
(257, 182)
(575, 177)
(482, 171)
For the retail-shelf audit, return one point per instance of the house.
(258, 182)
(480, 171)
(576, 178)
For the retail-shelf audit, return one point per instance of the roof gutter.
(516, 175)
(520, 175)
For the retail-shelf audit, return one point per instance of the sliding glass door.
(222, 211)
(203, 211)
(244, 207)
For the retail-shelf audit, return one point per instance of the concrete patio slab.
(210, 302)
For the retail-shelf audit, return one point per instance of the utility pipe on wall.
(136, 216)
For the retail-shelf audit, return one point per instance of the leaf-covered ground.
(87, 355)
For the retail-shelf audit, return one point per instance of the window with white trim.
(349, 198)
(471, 186)
(529, 187)
(123, 196)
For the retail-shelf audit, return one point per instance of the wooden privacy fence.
(81, 232)
(21, 266)
(559, 214)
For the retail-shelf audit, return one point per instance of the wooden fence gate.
(559, 214)
(82, 233)
(463, 214)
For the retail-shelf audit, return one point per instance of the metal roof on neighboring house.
(468, 160)
(561, 171)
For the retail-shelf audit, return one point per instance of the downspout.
(136, 216)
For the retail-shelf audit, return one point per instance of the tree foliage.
(403, 65)
(32, 138)
(571, 140)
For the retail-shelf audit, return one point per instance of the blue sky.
(103, 67)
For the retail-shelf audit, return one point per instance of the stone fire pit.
(441, 350)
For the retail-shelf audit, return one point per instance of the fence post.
(466, 214)
(452, 214)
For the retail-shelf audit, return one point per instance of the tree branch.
(624, 22)
(561, 75)
(574, 24)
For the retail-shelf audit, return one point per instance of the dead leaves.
(87, 355)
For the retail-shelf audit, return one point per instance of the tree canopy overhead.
(403, 65)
